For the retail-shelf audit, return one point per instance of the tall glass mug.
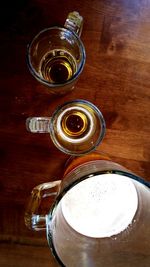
(76, 127)
(97, 215)
(56, 56)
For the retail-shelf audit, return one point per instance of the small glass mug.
(97, 215)
(56, 56)
(76, 127)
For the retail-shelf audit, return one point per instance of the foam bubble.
(101, 206)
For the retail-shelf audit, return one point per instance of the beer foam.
(101, 206)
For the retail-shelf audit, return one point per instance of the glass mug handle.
(74, 22)
(38, 124)
(34, 220)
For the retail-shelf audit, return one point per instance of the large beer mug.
(76, 127)
(56, 55)
(97, 215)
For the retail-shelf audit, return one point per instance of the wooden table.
(116, 78)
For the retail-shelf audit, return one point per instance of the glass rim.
(36, 74)
(74, 183)
(98, 141)
(127, 174)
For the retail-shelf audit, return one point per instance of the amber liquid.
(74, 124)
(57, 66)
(74, 162)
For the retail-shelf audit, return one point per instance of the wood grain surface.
(116, 78)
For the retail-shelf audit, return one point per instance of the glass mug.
(56, 56)
(97, 215)
(76, 127)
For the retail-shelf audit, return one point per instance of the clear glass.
(128, 246)
(76, 128)
(56, 56)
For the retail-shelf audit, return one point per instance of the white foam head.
(101, 206)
